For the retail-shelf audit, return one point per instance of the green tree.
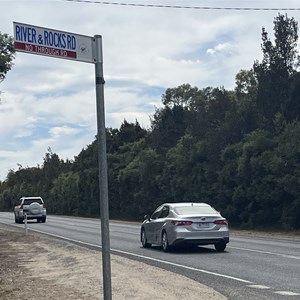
(65, 194)
(246, 83)
(52, 167)
(7, 54)
(130, 132)
(184, 175)
(167, 126)
(182, 95)
(279, 64)
(286, 166)
(88, 189)
(246, 111)
(292, 110)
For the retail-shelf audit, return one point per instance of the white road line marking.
(257, 286)
(184, 267)
(265, 252)
(286, 293)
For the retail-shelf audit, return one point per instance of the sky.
(51, 103)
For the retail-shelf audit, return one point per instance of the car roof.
(181, 204)
(31, 198)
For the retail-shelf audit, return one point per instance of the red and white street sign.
(55, 43)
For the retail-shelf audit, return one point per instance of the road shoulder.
(35, 266)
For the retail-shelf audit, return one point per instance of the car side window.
(156, 213)
(165, 212)
(161, 212)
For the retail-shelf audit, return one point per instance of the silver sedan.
(174, 224)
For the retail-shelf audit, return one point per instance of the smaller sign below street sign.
(51, 42)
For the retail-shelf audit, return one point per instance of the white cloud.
(59, 132)
(221, 49)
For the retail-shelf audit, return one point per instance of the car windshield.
(194, 210)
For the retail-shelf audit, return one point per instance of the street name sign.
(55, 43)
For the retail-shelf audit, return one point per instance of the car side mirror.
(146, 217)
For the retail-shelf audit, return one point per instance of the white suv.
(32, 207)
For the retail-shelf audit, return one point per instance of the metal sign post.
(59, 44)
(102, 170)
(25, 221)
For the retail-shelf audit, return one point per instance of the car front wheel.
(144, 241)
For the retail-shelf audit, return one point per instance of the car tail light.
(221, 222)
(182, 223)
(21, 206)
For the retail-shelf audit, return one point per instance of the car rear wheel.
(164, 242)
(220, 247)
(144, 239)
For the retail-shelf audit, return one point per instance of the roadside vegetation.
(238, 150)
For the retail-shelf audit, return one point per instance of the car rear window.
(31, 200)
(194, 210)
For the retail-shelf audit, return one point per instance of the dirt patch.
(39, 267)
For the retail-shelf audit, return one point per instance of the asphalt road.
(250, 268)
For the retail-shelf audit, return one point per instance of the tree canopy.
(7, 54)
